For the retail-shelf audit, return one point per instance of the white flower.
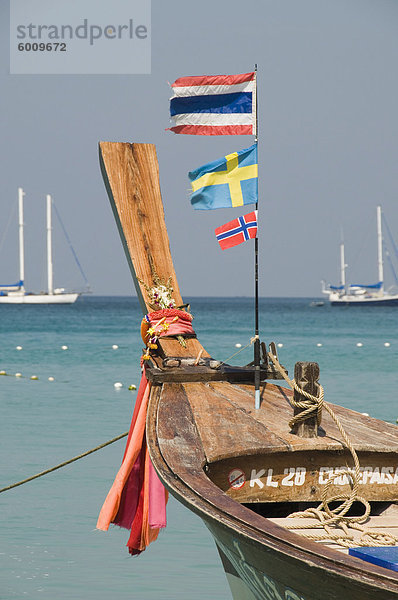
(161, 296)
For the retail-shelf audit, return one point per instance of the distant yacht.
(358, 294)
(16, 293)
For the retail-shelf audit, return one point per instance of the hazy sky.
(328, 135)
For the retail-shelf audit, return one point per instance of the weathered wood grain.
(204, 373)
(366, 433)
(131, 176)
(227, 430)
(306, 375)
(178, 435)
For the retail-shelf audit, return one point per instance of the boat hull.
(262, 560)
(384, 301)
(259, 565)
(256, 570)
(39, 299)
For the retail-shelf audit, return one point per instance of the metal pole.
(256, 334)
(256, 337)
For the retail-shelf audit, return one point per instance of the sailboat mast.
(49, 248)
(342, 264)
(380, 249)
(21, 194)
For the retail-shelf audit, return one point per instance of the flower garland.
(160, 295)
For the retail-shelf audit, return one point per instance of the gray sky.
(328, 134)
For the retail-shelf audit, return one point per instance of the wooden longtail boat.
(243, 471)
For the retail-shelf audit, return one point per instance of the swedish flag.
(227, 182)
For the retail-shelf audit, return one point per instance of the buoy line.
(63, 464)
(118, 385)
(20, 376)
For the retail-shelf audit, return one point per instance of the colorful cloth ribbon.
(137, 499)
(165, 323)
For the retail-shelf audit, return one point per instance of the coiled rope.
(323, 513)
(63, 464)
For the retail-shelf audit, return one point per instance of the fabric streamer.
(157, 505)
(137, 499)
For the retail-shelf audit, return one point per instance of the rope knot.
(336, 520)
(311, 406)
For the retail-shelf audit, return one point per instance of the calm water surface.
(49, 547)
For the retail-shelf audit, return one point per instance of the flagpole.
(256, 333)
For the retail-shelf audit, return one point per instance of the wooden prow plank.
(131, 176)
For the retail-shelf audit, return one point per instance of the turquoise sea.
(49, 547)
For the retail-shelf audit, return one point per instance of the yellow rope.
(336, 517)
(240, 350)
(63, 464)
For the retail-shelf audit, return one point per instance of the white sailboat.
(362, 295)
(16, 293)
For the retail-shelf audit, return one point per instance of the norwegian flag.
(237, 231)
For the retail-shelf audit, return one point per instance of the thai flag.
(214, 105)
(237, 231)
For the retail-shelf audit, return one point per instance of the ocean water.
(49, 547)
